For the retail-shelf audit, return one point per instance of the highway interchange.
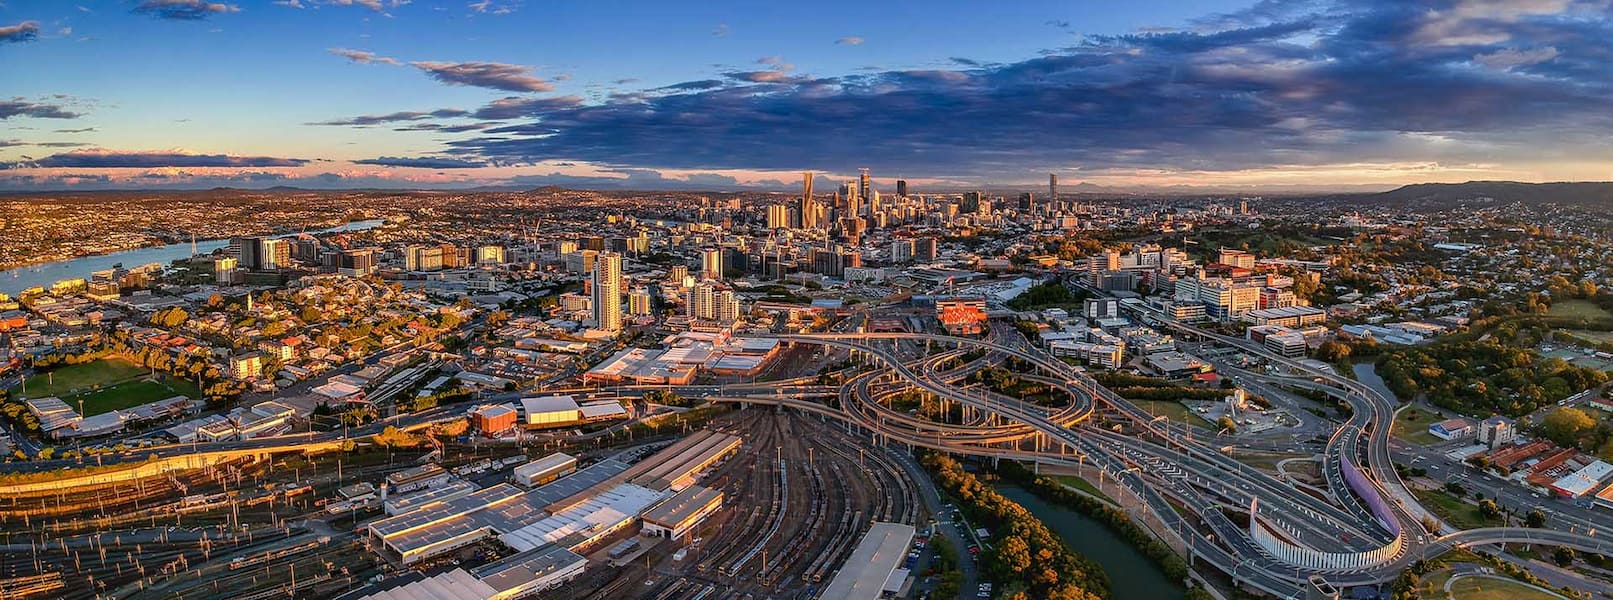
(1182, 487)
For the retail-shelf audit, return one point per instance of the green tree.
(1489, 509)
(1333, 351)
(1536, 519)
(1563, 426)
(1563, 556)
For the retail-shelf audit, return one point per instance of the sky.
(720, 94)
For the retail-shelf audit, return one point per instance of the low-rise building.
(544, 470)
(1452, 429)
(678, 515)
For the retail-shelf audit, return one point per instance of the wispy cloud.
(721, 30)
(490, 7)
(498, 76)
(426, 162)
(25, 31)
(362, 56)
(364, 120)
(850, 41)
(22, 143)
(21, 107)
(183, 10)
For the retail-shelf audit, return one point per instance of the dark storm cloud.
(22, 107)
(98, 158)
(1280, 83)
(26, 31)
(183, 10)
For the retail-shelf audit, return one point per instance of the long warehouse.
(864, 575)
(573, 511)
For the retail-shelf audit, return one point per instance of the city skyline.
(381, 93)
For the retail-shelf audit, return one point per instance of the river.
(1131, 574)
(1366, 372)
(14, 281)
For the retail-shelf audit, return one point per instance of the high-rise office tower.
(1027, 202)
(901, 188)
(778, 216)
(924, 249)
(727, 307)
(863, 187)
(809, 209)
(1053, 189)
(357, 262)
(854, 201)
(275, 254)
(607, 286)
(701, 302)
(711, 263)
(248, 252)
(901, 251)
(971, 203)
(638, 303)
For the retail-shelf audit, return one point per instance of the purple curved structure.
(1357, 480)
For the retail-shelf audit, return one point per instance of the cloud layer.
(100, 158)
(1284, 83)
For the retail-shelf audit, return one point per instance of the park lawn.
(1578, 309)
(1491, 588)
(1600, 337)
(1414, 430)
(1266, 461)
(1176, 411)
(72, 379)
(135, 393)
(1453, 510)
(1083, 485)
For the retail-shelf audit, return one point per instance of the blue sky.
(361, 93)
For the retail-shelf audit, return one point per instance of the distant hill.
(1588, 194)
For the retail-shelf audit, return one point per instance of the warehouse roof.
(683, 506)
(548, 404)
(864, 575)
(452, 585)
(519, 569)
(687, 456)
(407, 502)
(603, 511)
(603, 409)
(546, 464)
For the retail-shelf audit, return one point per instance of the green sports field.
(107, 385)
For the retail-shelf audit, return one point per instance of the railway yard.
(798, 499)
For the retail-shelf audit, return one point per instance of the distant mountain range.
(1421, 196)
(1587, 194)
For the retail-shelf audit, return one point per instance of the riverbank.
(1131, 573)
(43, 273)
